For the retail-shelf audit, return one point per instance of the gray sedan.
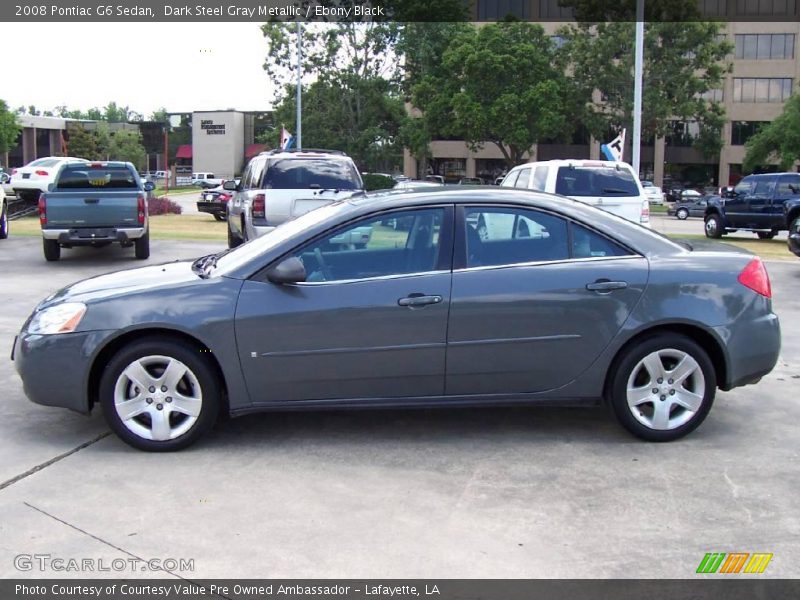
(591, 309)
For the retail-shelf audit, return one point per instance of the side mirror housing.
(149, 186)
(290, 270)
(727, 192)
(229, 185)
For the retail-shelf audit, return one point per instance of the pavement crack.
(52, 461)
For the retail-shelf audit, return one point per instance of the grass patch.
(658, 209)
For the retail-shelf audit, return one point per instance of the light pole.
(637, 86)
(299, 85)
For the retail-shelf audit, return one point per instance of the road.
(505, 493)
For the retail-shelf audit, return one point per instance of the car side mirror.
(149, 186)
(728, 192)
(290, 270)
(229, 185)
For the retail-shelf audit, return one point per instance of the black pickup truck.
(764, 204)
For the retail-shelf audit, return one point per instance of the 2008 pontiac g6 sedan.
(452, 297)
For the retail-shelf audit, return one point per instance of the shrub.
(373, 181)
(162, 206)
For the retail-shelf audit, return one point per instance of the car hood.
(124, 282)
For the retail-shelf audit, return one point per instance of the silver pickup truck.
(95, 204)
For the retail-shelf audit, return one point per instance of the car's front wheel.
(662, 387)
(682, 214)
(159, 395)
(714, 227)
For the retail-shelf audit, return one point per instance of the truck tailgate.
(89, 208)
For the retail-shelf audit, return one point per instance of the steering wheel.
(326, 272)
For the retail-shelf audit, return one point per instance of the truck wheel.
(233, 240)
(3, 221)
(52, 251)
(714, 227)
(142, 249)
(219, 217)
(765, 235)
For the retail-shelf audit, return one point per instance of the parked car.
(684, 210)
(415, 184)
(95, 204)
(764, 204)
(3, 215)
(470, 181)
(431, 315)
(435, 179)
(653, 192)
(5, 183)
(280, 185)
(611, 186)
(214, 201)
(206, 180)
(34, 178)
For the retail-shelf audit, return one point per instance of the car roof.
(575, 162)
(306, 153)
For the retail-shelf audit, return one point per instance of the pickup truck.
(765, 204)
(95, 204)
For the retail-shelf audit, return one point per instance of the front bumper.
(55, 368)
(753, 347)
(89, 235)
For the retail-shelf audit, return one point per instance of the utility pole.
(637, 87)
(299, 85)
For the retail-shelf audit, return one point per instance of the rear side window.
(540, 178)
(595, 181)
(588, 244)
(789, 185)
(304, 173)
(524, 176)
(510, 179)
(85, 176)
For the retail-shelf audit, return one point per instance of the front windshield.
(245, 253)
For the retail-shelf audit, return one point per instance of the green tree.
(9, 130)
(81, 143)
(501, 84)
(779, 140)
(127, 146)
(682, 61)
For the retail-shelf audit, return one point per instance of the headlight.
(61, 318)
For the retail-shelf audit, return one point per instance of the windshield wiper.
(614, 191)
(205, 264)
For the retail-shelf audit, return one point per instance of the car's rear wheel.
(682, 214)
(3, 221)
(714, 227)
(52, 251)
(219, 217)
(159, 395)
(662, 387)
(142, 249)
(765, 235)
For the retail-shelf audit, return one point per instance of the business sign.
(211, 128)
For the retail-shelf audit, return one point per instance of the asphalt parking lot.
(495, 493)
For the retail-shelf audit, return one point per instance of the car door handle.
(91, 200)
(419, 300)
(605, 286)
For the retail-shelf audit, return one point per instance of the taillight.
(42, 210)
(755, 277)
(141, 208)
(645, 216)
(259, 206)
(224, 197)
(42, 173)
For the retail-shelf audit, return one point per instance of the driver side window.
(397, 243)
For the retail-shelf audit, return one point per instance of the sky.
(180, 66)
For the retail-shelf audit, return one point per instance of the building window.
(741, 131)
(761, 89)
(715, 95)
(497, 10)
(551, 9)
(765, 7)
(682, 133)
(765, 46)
(713, 8)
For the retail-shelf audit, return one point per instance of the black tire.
(233, 239)
(765, 235)
(714, 228)
(199, 366)
(682, 214)
(219, 217)
(4, 221)
(628, 366)
(52, 251)
(142, 247)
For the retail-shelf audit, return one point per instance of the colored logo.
(734, 562)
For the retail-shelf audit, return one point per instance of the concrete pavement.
(524, 492)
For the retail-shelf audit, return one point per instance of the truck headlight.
(61, 318)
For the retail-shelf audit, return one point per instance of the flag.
(287, 139)
(615, 148)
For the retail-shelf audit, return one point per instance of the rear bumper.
(262, 229)
(91, 235)
(212, 208)
(753, 347)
